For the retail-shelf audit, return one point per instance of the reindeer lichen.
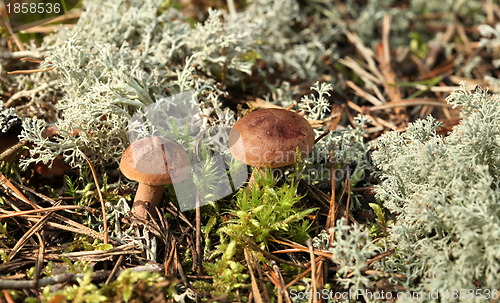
(445, 192)
(125, 55)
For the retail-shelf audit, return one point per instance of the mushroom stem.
(147, 196)
(251, 181)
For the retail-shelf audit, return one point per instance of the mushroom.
(153, 162)
(270, 137)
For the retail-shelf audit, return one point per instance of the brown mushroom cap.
(270, 137)
(155, 161)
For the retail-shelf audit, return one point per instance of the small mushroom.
(153, 162)
(270, 137)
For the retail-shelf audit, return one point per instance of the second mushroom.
(153, 162)
(269, 138)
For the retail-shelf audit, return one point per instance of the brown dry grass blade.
(5, 24)
(103, 205)
(299, 277)
(255, 247)
(332, 210)
(314, 286)
(364, 94)
(255, 287)
(33, 229)
(7, 296)
(366, 53)
(102, 255)
(281, 289)
(10, 187)
(9, 152)
(303, 248)
(40, 257)
(9, 214)
(30, 71)
(33, 60)
(72, 226)
(383, 56)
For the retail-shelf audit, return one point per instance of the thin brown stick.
(67, 277)
(33, 60)
(365, 52)
(11, 150)
(33, 229)
(255, 287)
(363, 94)
(348, 188)
(302, 248)
(314, 288)
(199, 249)
(410, 102)
(380, 257)
(321, 136)
(267, 254)
(103, 205)
(330, 220)
(175, 211)
(40, 257)
(384, 58)
(39, 195)
(9, 186)
(322, 273)
(7, 296)
(356, 107)
(77, 228)
(5, 24)
(30, 71)
(10, 214)
(299, 277)
(170, 258)
(263, 286)
(281, 290)
(115, 269)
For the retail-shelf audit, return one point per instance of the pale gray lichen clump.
(445, 192)
(350, 249)
(125, 55)
(8, 119)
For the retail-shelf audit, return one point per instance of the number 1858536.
(33, 8)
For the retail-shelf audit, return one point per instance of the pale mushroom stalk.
(147, 197)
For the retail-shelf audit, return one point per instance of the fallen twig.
(20, 54)
(10, 214)
(314, 287)
(410, 102)
(267, 254)
(10, 187)
(255, 288)
(103, 205)
(30, 71)
(11, 150)
(33, 229)
(69, 277)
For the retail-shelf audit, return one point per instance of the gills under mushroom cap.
(155, 161)
(270, 137)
